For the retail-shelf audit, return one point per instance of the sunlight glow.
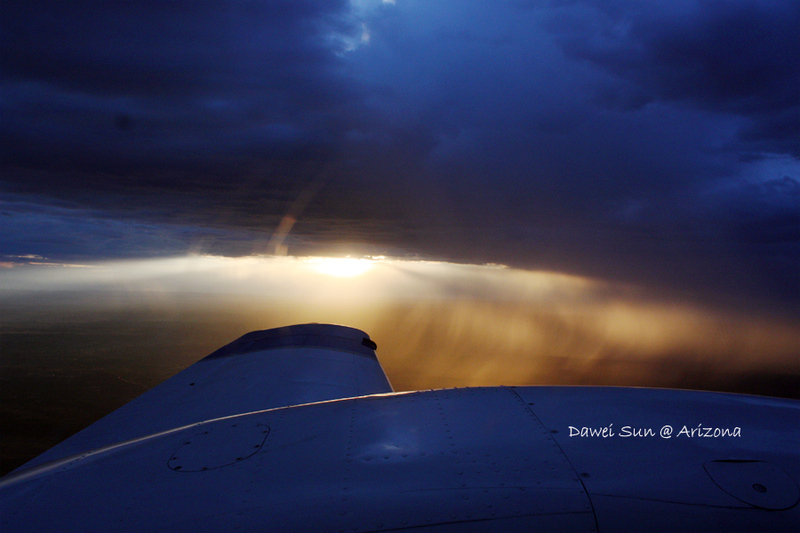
(473, 324)
(340, 267)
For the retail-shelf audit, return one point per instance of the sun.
(340, 267)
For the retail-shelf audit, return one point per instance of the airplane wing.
(261, 370)
(297, 429)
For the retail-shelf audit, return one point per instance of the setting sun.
(341, 267)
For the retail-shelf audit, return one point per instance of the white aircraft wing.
(261, 370)
(205, 451)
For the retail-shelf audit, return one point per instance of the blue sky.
(655, 143)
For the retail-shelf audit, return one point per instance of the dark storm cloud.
(70, 233)
(655, 141)
(118, 82)
(735, 57)
(174, 48)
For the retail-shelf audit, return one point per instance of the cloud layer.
(654, 142)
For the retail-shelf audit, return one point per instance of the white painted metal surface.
(261, 370)
(485, 459)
